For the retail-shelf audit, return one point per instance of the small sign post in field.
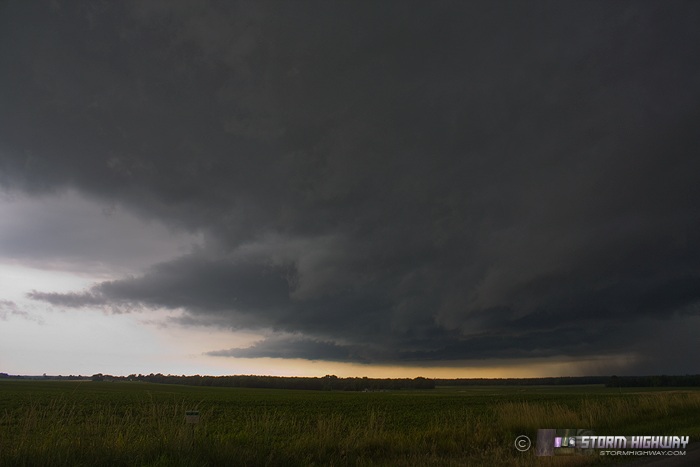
(192, 418)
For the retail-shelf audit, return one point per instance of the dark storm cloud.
(285, 347)
(70, 300)
(391, 182)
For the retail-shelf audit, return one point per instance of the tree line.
(549, 381)
(657, 381)
(326, 383)
(334, 383)
(608, 381)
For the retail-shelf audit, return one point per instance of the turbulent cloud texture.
(379, 182)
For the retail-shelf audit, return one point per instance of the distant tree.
(328, 382)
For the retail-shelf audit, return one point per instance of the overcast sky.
(382, 188)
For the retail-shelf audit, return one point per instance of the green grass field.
(122, 423)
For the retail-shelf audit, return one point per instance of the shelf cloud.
(373, 183)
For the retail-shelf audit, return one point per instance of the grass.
(101, 423)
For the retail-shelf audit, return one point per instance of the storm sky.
(331, 187)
